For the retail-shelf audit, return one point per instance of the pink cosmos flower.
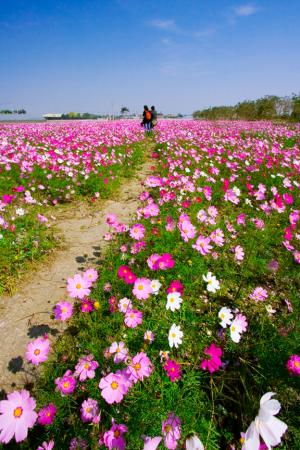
(123, 271)
(297, 256)
(124, 305)
(46, 414)
(173, 370)
(149, 337)
(90, 276)
(137, 231)
(111, 219)
(78, 287)
(130, 278)
(37, 351)
(151, 443)
(259, 294)
(113, 388)
(142, 288)
(17, 415)
(140, 367)
(63, 311)
(241, 219)
(133, 318)
(66, 384)
(214, 363)
(187, 230)
(293, 365)
(217, 236)
(152, 260)
(89, 410)
(42, 218)
(46, 445)
(86, 367)
(119, 350)
(202, 245)
(171, 431)
(239, 253)
(114, 439)
(164, 262)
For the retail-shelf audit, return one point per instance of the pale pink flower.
(142, 288)
(124, 305)
(137, 231)
(78, 287)
(259, 294)
(119, 350)
(202, 245)
(133, 318)
(37, 351)
(90, 275)
(140, 367)
(85, 368)
(239, 253)
(113, 388)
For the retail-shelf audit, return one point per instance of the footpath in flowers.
(187, 335)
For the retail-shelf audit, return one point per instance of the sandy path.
(25, 315)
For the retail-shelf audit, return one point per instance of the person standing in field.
(147, 117)
(153, 117)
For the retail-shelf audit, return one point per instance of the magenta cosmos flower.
(214, 363)
(46, 414)
(37, 351)
(140, 367)
(133, 318)
(113, 388)
(142, 288)
(175, 286)
(293, 365)
(165, 262)
(86, 306)
(114, 439)
(173, 370)
(86, 367)
(17, 415)
(171, 431)
(63, 311)
(78, 287)
(66, 384)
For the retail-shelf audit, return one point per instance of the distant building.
(52, 116)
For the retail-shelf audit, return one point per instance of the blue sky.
(181, 55)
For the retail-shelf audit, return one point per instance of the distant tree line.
(12, 111)
(269, 107)
(86, 115)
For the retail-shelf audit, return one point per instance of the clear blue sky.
(181, 55)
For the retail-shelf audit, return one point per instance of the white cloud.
(245, 10)
(168, 25)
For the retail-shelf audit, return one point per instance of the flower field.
(43, 165)
(188, 334)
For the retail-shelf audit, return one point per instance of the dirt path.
(26, 314)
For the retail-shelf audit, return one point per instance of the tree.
(124, 110)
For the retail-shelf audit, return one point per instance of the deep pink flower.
(37, 351)
(86, 306)
(114, 439)
(63, 311)
(66, 384)
(17, 415)
(173, 370)
(214, 363)
(164, 262)
(293, 365)
(46, 414)
(113, 388)
(175, 286)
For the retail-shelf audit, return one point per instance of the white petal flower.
(265, 425)
(175, 336)
(194, 443)
(225, 315)
(156, 285)
(212, 283)
(173, 301)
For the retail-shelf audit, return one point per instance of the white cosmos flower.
(20, 212)
(235, 332)
(212, 283)
(156, 285)
(194, 443)
(225, 315)
(175, 335)
(173, 301)
(265, 425)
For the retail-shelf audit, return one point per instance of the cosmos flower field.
(188, 334)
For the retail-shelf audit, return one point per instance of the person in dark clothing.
(147, 117)
(153, 117)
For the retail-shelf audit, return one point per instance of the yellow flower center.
(37, 351)
(173, 335)
(222, 316)
(168, 428)
(140, 287)
(297, 363)
(233, 328)
(63, 309)
(114, 385)
(86, 366)
(78, 286)
(66, 384)
(131, 316)
(137, 366)
(172, 299)
(116, 433)
(18, 411)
